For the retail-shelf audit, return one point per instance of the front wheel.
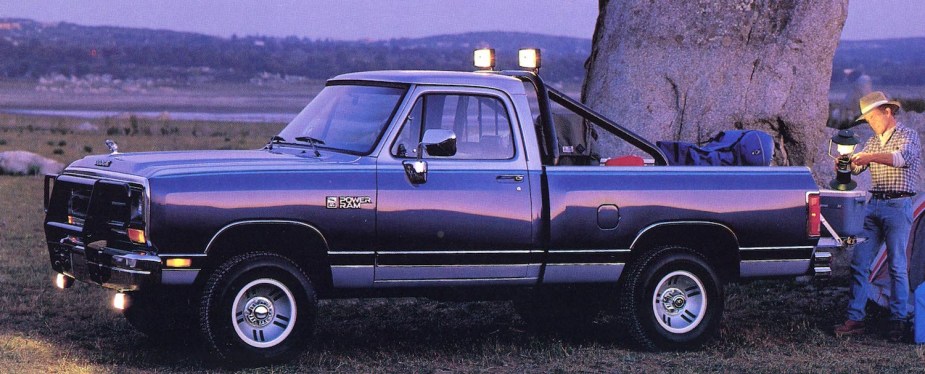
(257, 308)
(672, 299)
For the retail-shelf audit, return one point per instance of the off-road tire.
(257, 308)
(671, 299)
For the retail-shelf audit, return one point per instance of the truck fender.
(715, 241)
(301, 242)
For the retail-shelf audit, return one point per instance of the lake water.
(180, 116)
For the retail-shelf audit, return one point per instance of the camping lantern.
(845, 141)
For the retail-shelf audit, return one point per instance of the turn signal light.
(137, 236)
(179, 262)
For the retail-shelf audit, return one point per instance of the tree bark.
(685, 70)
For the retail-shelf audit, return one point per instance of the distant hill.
(888, 62)
(30, 49)
(33, 50)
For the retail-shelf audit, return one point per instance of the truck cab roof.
(492, 80)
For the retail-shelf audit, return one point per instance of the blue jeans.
(889, 221)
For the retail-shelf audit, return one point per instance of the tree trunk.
(685, 70)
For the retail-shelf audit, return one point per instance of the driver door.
(472, 218)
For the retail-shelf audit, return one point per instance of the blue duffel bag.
(728, 148)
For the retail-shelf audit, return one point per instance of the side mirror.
(437, 142)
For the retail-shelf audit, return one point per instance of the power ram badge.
(347, 202)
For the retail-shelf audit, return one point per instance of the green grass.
(769, 326)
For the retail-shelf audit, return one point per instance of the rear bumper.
(108, 267)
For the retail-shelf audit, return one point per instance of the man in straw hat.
(893, 158)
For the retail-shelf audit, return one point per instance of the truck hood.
(157, 164)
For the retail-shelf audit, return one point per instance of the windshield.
(348, 118)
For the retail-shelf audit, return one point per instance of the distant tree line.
(31, 50)
(895, 62)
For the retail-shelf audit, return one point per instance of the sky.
(385, 19)
(316, 19)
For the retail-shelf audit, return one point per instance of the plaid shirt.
(885, 178)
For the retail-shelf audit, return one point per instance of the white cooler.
(844, 210)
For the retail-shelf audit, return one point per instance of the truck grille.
(99, 209)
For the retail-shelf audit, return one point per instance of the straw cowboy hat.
(873, 100)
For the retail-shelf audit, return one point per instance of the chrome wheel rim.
(263, 313)
(680, 302)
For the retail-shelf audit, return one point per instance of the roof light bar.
(529, 58)
(484, 58)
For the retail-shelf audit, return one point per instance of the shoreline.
(206, 116)
(206, 98)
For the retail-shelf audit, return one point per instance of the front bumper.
(108, 267)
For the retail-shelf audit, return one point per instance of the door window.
(481, 124)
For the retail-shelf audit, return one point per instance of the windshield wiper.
(276, 139)
(311, 141)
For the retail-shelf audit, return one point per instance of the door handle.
(510, 178)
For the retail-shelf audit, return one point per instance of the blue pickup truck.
(422, 183)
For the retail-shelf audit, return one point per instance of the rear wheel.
(672, 299)
(257, 308)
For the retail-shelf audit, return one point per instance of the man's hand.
(841, 162)
(864, 158)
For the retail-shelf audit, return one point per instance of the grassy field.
(769, 326)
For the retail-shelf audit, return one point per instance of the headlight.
(136, 230)
(137, 206)
(77, 205)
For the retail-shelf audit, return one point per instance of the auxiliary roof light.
(529, 58)
(484, 58)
